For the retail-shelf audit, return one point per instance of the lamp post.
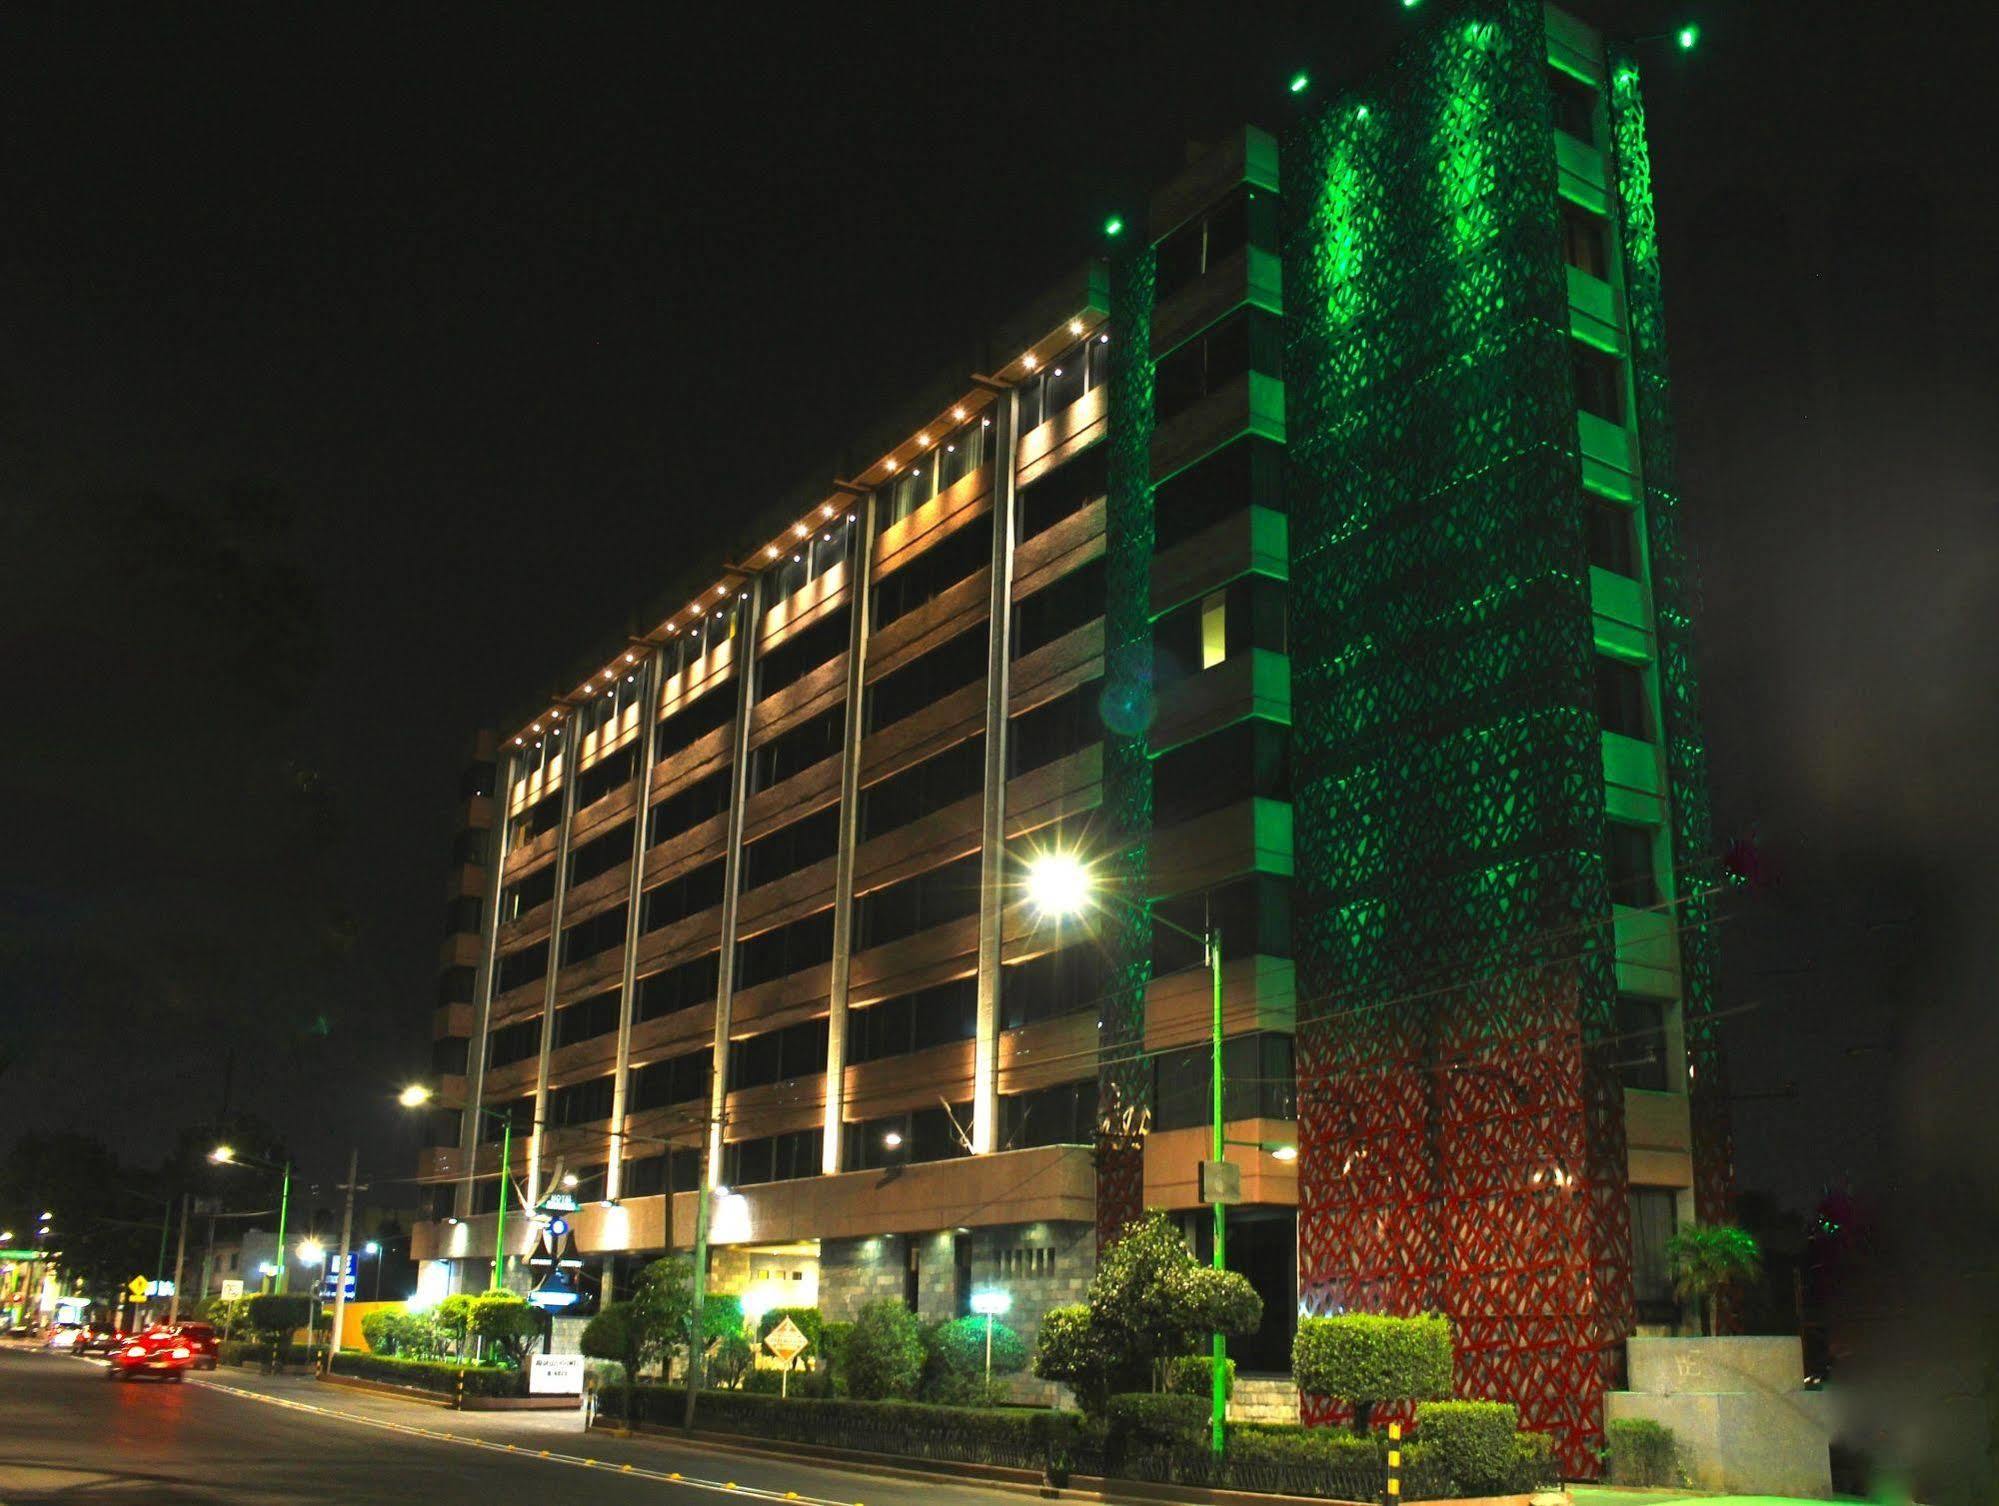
(415, 1096)
(1060, 885)
(991, 1304)
(223, 1155)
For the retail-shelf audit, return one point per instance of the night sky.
(360, 370)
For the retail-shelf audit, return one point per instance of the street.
(235, 1438)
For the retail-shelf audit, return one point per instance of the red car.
(202, 1339)
(157, 1351)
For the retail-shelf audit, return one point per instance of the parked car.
(99, 1340)
(157, 1351)
(202, 1339)
(65, 1335)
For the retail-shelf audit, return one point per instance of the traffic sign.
(787, 1341)
(232, 1289)
(137, 1288)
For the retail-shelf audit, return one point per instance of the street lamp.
(991, 1304)
(1059, 886)
(415, 1096)
(224, 1155)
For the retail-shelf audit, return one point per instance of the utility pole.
(180, 1259)
(346, 1242)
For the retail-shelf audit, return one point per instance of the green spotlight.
(1411, 4)
(1689, 36)
(1300, 83)
(1114, 225)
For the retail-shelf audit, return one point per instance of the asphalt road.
(231, 1438)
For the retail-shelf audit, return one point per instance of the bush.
(1364, 1359)
(729, 1360)
(276, 1316)
(1642, 1452)
(884, 1357)
(428, 1375)
(1072, 1347)
(833, 1353)
(954, 1360)
(508, 1324)
(1471, 1442)
(1150, 1300)
(248, 1352)
(1534, 1463)
(402, 1334)
(1150, 1420)
(1288, 1443)
(453, 1317)
(1192, 1375)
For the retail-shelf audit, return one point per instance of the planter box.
(1738, 1410)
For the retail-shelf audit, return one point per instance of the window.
(1254, 914)
(599, 855)
(454, 985)
(1583, 241)
(649, 1176)
(694, 891)
(964, 451)
(1246, 216)
(1628, 859)
(475, 781)
(773, 1158)
(1599, 382)
(587, 1020)
(1059, 383)
(778, 1055)
(448, 1055)
(518, 969)
(1620, 698)
(461, 916)
(1247, 473)
(1061, 492)
(519, 1115)
(513, 1043)
(1051, 985)
(811, 557)
(1248, 758)
(933, 1134)
(1247, 340)
(1654, 1214)
(542, 816)
(1065, 1114)
(1641, 1051)
(690, 721)
(1060, 607)
(784, 950)
(791, 752)
(602, 932)
(1257, 1082)
(688, 808)
(581, 1103)
(678, 1079)
(604, 710)
(803, 652)
(1249, 612)
(953, 775)
(589, 1186)
(605, 775)
(928, 679)
(472, 847)
(935, 1016)
(787, 850)
(683, 987)
(1574, 105)
(537, 889)
(688, 649)
(1055, 729)
(964, 552)
(1613, 536)
(916, 904)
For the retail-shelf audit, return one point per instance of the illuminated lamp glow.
(1688, 37)
(1114, 225)
(1300, 83)
(1058, 884)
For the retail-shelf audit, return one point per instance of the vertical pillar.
(992, 850)
(537, 1132)
(751, 605)
(504, 768)
(860, 601)
(650, 675)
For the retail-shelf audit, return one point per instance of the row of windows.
(935, 1134)
(581, 1103)
(461, 916)
(1051, 985)
(937, 1016)
(773, 1158)
(808, 840)
(1252, 912)
(518, 969)
(538, 888)
(948, 777)
(964, 552)
(599, 855)
(1247, 340)
(587, 1019)
(784, 950)
(1250, 612)
(810, 558)
(924, 681)
(1247, 473)
(917, 904)
(604, 710)
(1056, 728)
(687, 986)
(1065, 1114)
(678, 1079)
(692, 892)
(798, 748)
(609, 773)
(687, 808)
(803, 652)
(1246, 216)
(513, 1043)
(602, 932)
(778, 1055)
(1060, 607)
(1061, 383)
(964, 450)
(1257, 1082)
(1247, 758)
(1060, 493)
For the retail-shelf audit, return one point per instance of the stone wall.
(1039, 1265)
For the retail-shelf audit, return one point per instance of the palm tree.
(1708, 1259)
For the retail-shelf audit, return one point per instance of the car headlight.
(136, 1352)
(180, 1354)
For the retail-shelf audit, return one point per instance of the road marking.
(576, 1461)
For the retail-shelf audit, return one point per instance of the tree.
(1709, 1259)
(453, 1317)
(1070, 1349)
(275, 1316)
(954, 1366)
(884, 1353)
(662, 1307)
(1151, 1301)
(1368, 1358)
(507, 1324)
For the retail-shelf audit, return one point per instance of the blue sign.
(326, 1280)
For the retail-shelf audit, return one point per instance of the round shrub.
(1365, 1358)
(884, 1352)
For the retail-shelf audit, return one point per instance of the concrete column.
(860, 579)
(504, 768)
(538, 1132)
(650, 674)
(751, 606)
(992, 852)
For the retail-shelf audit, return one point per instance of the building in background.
(1309, 566)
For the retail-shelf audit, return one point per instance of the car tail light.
(136, 1352)
(180, 1354)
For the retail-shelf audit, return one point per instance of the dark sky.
(359, 369)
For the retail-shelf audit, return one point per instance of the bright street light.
(1285, 1152)
(415, 1096)
(372, 1248)
(1058, 885)
(46, 1217)
(992, 1303)
(569, 1181)
(267, 1268)
(222, 1155)
(311, 1251)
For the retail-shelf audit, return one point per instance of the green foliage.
(954, 1360)
(721, 1315)
(1471, 1442)
(404, 1335)
(1070, 1349)
(729, 1359)
(1707, 1260)
(275, 1316)
(884, 1352)
(508, 1325)
(1288, 1443)
(611, 1336)
(247, 1352)
(800, 1385)
(1150, 1420)
(833, 1352)
(1641, 1452)
(1193, 1375)
(453, 1317)
(662, 1308)
(1365, 1358)
(1151, 1300)
(808, 1322)
(427, 1375)
(1534, 1463)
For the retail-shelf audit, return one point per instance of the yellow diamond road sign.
(137, 1287)
(786, 1341)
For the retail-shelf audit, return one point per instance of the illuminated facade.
(1311, 566)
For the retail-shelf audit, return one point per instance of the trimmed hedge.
(1191, 1375)
(1472, 1442)
(429, 1375)
(1155, 1419)
(1292, 1443)
(1642, 1452)
(251, 1352)
(1365, 1358)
